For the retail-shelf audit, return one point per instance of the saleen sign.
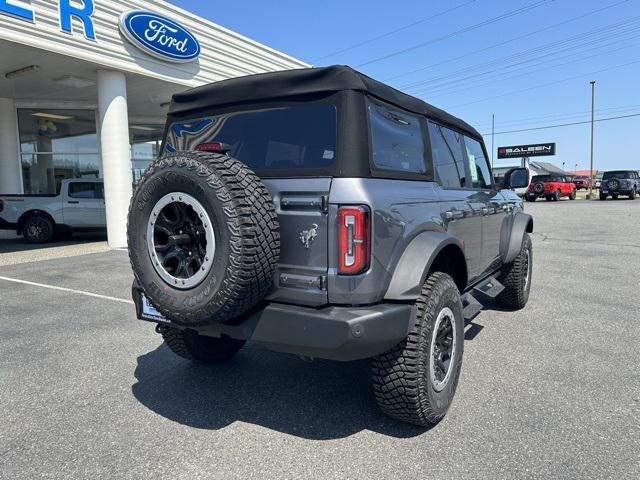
(519, 151)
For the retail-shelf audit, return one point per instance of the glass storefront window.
(55, 145)
(60, 144)
(145, 147)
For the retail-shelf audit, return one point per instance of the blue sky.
(531, 67)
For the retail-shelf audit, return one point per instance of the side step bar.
(470, 307)
(474, 300)
(489, 288)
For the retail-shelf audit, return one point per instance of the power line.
(392, 32)
(556, 116)
(565, 124)
(602, 34)
(445, 92)
(514, 39)
(445, 88)
(459, 32)
(546, 84)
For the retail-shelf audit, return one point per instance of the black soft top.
(290, 83)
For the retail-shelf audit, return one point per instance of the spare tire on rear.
(203, 237)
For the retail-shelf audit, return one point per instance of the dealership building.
(85, 86)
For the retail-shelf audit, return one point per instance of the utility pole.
(493, 134)
(593, 108)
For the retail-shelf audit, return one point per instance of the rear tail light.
(354, 240)
(217, 147)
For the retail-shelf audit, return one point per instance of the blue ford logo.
(159, 36)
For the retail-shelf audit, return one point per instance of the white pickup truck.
(79, 206)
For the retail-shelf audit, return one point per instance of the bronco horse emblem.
(308, 236)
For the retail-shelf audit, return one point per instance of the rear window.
(608, 175)
(302, 136)
(543, 178)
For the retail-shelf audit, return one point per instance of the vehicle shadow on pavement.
(12, 245)
(321, 400)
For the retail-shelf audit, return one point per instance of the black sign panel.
(519, 151)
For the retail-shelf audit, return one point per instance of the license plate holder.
(149, 312)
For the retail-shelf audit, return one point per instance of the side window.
(82, 190)
(396, 140)
(478, 165)
(448, 161)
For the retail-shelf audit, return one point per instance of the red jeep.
(551, 187)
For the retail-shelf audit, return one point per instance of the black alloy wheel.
(38, 229)
(181, 240)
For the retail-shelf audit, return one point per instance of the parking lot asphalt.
(552, 391)
(15, 249)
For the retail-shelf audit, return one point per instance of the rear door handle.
(73, 201)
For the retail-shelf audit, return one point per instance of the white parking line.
(70, 290)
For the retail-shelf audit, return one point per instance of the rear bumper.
(621, 191)
(334, 333)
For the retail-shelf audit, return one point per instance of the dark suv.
(322, 213)
(619, 182)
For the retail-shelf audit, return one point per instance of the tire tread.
(513, 295)
(398, 375)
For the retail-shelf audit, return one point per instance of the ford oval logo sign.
(159, 36)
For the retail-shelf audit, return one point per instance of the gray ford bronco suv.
(324, 214)
(620, 182)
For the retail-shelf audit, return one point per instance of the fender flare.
(415, 262)
(513, 229)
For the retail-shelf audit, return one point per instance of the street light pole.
(593, 107)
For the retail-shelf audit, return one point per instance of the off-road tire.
(573, 195)
(556, 196)
(45, 226)
(632, 194)
(516, 289)
(198, 348)
(548, 199)
(614, 196)
(401, 377)
(247, 240)
(603, 196)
